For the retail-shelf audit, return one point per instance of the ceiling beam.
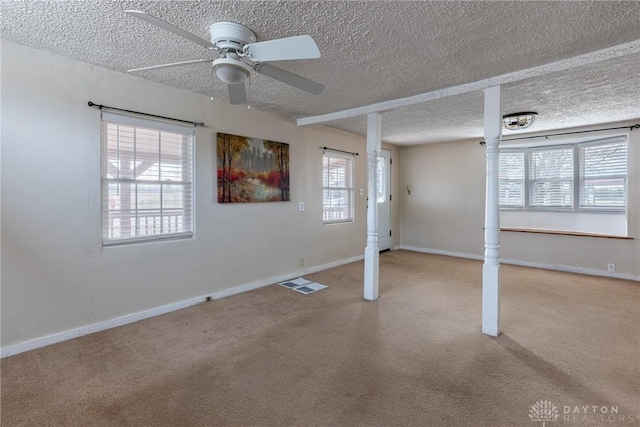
(516, 76)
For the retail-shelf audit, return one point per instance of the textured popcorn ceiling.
(372, 51)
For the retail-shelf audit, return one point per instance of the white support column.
(491, 267)
(371, 252)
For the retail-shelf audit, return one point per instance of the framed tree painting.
(252, 170)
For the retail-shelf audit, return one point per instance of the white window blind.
(551, 178)
(603, 175)
(512, 191)
(337, 182)
(147, 179)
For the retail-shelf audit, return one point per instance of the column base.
(371, 273)
(491, 299)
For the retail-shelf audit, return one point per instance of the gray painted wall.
(445, 212)
(55, 274)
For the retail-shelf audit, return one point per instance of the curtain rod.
(632, 127)
(91, 104)
(338, 151)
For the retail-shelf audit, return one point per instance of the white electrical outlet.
(611, 268)
(302, 262)
(301, 206)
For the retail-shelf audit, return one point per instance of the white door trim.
(384, 211)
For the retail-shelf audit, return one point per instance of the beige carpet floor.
(416, 357)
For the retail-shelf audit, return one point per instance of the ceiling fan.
(240, 54)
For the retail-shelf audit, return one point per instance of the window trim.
(576, 175)
(159, 125)
(351, 190)
(524, 181)
(595, 143)
(528, 180)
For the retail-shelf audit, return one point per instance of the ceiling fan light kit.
(241, 54)
(518, 121)
(230, 70)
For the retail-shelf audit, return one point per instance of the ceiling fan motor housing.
(229, 35)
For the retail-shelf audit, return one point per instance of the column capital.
(374, 132)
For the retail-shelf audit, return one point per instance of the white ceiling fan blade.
(165, 25)
(173, 64)
(299, 47)
(290, 78)
(237, 94)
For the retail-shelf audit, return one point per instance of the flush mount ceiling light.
(517, 121)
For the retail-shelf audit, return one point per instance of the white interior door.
(384, 200)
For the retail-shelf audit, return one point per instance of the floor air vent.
(302, 285)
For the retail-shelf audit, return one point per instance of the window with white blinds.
(337, 183)
(147, 179)
(603, 175)
(512, 182)
(552, 177)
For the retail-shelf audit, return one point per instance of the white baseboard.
(439, 252)
(572, 269)
(34, 343)
(556, 267)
